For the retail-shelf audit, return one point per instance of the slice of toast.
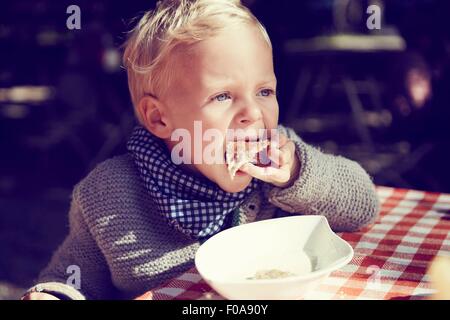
(239, 153)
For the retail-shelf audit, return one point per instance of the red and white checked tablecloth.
(391, 256)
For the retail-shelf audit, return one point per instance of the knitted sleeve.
(328, 185)
(78, 269)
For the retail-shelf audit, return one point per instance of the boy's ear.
(152, 113)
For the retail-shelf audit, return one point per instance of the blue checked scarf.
(194, 205)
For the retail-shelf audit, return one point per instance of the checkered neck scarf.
(194, 205)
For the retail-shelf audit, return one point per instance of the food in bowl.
(271, 274)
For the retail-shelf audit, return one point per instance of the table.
(391, 256)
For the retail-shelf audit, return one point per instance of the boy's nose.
(250, 113)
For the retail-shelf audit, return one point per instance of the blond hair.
(171, 24)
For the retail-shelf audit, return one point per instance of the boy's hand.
(287, 165)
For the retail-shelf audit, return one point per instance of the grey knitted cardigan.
(123, 247)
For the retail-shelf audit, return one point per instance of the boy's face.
(226, 82)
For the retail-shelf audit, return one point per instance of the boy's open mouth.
(240, 152)
(237, 139)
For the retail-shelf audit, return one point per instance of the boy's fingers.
(274, 138)
(283, 139)
(267, 174)
(283, 154)
(275, 155)
(278, 140)
(286, 156)
(288, 150)
(261, 173)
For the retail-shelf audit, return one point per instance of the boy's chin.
(236, 185)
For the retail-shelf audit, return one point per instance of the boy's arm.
(328, 185)
(78, 262)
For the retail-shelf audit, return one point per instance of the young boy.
(137, 219)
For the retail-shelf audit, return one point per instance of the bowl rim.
(309, 276)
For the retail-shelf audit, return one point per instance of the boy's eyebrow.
(217, 84)
(212, 85)
(268, 80)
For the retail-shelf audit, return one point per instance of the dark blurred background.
(380, 97)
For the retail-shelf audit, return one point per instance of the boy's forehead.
(228, 56)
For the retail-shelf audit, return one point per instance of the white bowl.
(301, 245)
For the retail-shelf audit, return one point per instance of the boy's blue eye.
(266, 92)
(222, 97)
